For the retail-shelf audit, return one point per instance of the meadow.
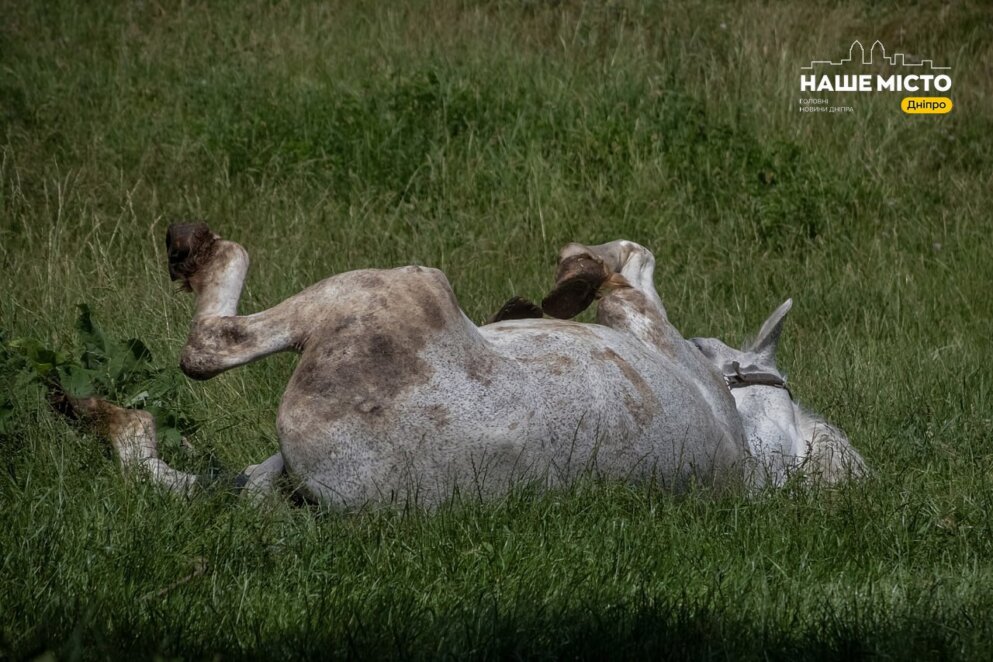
(479, 137)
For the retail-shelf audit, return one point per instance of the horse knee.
(587, 272)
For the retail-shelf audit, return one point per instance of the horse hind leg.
(261, 479)
(131, 433)
(214, 269)
(132, 436)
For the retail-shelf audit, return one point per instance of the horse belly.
(623, 409)
(457, 431)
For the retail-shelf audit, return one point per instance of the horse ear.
(767, 340)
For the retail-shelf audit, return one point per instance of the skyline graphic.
(858, 54)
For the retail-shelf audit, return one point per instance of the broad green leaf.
(142, 355)
(76, 381)
(94, 340)
(170, 439)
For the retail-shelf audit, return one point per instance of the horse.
(398, 396)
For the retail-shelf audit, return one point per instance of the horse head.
(764, 402)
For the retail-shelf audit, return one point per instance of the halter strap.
(739, 380)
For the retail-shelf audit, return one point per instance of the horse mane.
(831, 458)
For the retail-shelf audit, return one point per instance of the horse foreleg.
(618, 273)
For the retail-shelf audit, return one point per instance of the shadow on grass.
(584, 633)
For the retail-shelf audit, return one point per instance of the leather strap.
(737, 379)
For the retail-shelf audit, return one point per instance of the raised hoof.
(577, 282)
(189, 246)
(517, 308)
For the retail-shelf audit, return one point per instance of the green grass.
(478, 138)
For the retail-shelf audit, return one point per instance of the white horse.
(399, 396)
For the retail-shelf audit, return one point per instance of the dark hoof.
(92, 414)
(240, 481)
(189, 246)
(578, 279)
(517, 308)
(60, 402)
(74, 410)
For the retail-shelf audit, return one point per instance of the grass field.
(478, 138)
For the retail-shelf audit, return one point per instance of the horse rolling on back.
(398, 396)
